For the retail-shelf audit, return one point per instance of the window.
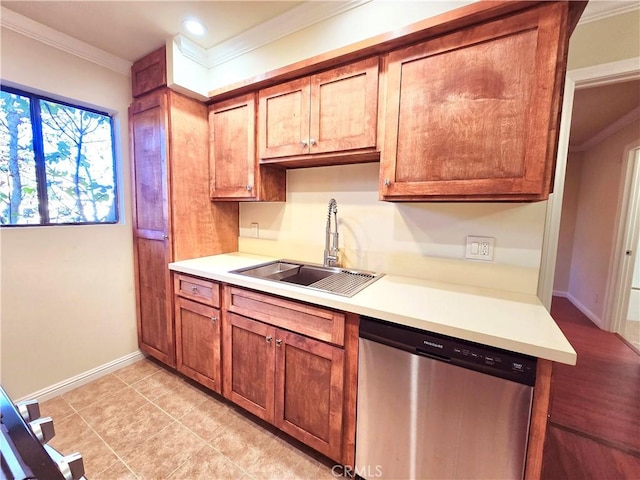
(56, 162)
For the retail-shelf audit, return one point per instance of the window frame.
(40, 164)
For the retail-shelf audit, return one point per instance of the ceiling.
(131, 29)
(596, 108)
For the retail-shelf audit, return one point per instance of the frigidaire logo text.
(431, 344)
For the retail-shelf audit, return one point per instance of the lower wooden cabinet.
(291, 364)
(249, 365)
(197, 324)
(289, 380)
(309, 379)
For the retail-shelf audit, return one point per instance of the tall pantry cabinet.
(173, 218)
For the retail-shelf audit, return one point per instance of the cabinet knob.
(278, 342)
(304, 143)
(312, 141)
(387, 182)
(166, 237)
(194, 289)
(214, 319)
(268, 338)
(249, 188)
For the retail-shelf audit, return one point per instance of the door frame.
(596, 75)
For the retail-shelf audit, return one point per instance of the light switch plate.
(480, 248)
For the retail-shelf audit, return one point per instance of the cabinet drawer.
(197, 289)
(315, 322)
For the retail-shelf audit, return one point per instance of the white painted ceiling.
(597, 107)
(131, 29)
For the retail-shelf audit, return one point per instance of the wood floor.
(594, 424)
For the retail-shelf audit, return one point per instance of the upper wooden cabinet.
(321, 119)
(474, 114)
(149, 73)
(234, 170)
(173, 218)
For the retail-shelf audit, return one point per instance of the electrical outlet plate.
(480, 248)
(255, 229)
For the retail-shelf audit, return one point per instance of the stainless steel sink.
(341, 281)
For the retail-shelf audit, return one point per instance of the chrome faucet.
(331, 239)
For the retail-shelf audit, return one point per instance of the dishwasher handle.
(434, 356)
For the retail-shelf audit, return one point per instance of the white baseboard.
(83, 378)
(589, 314)
(560, 293)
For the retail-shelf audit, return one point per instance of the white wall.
(605, 41)
(567, 223)
(68, 300)
(418, 239)
(360, 23)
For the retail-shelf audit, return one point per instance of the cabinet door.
(232, 148)
(344, 108)
(198, 342)
(155, 330)
(309, 392)
(249, 362)
(149, 73)
(152, 249)
(148, 117)
(284, 119)
(470, 114)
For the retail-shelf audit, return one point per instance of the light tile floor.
(145, 421)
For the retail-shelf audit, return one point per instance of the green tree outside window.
(56, 162)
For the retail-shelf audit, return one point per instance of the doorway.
(594, 257)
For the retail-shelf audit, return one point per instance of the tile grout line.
(109, 447)
(80, 415)
(208, 443)
(241, 469)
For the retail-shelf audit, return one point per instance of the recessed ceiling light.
(194, 26)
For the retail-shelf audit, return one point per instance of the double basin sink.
(340, 281)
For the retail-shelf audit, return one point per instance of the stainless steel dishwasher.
(431, 406)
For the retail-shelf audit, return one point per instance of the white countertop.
(507, 320)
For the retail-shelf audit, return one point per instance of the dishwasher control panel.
(493, 361)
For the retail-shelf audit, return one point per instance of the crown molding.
(191, 50)
(47, 35)
(609, 130)
(612, 11)
(298, 18)
(606, 73)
